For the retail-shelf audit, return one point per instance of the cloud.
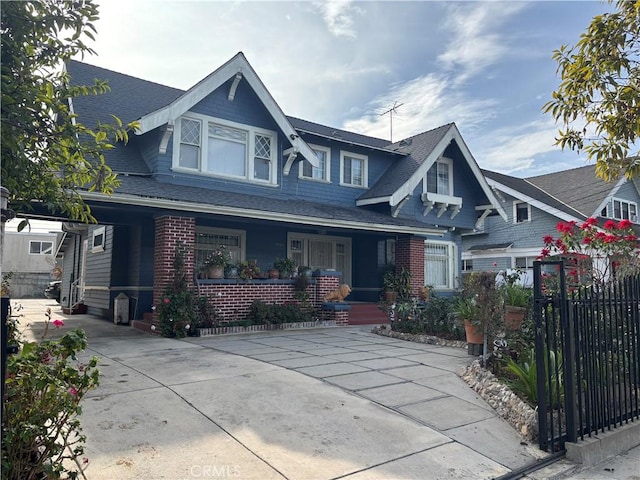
(427, 102)
(338, 15)
(475, 43)
(515, 148)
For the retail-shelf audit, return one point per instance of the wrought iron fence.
(587, 355)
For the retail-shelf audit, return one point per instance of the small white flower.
(153, 327)
(187, 327)
(153, 307)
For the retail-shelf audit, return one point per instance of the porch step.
(366, 314)
(78, 308)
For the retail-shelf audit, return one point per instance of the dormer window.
(437, 189)
(621, 210)
(322, 171)
(353, 169)
(440, 177)
(221, 148)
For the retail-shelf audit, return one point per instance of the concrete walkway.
(316, 404)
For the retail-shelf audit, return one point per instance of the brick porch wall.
(410, 256)
(169, 231)
(232, 299)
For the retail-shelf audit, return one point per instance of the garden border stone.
(227, 330)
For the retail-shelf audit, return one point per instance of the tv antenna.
(391, 111)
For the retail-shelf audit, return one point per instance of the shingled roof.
(578, 187)
(577, 192)
(131, 98)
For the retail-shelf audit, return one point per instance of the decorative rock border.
(431, 340)
(205, 332)
(499, 396)
(506, 403)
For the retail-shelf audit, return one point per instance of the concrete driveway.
(317, 404)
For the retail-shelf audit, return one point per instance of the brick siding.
(410, 256)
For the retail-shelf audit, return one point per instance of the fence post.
(569, 358)
(540, 302)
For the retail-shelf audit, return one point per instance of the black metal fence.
(587, 355)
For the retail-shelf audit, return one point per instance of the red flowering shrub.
(593, 253)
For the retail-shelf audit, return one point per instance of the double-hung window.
(440, 263)
(521, 212)
(353, 169)
(440, 177)
(322, 171)
(219, 147)
(621, 210)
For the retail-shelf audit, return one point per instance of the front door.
(322, 252)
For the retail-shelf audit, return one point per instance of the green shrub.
(261, 313)
(44, 387)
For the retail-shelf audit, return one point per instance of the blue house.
(535, 205)
(221, 164)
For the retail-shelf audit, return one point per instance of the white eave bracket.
(166, 135)
(442, 203)
(486, 210)
(395, 209)
(234, 86)
(291, 154)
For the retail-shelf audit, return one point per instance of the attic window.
(440, 177)
(621, 210)
(221, 148)
(521, 212)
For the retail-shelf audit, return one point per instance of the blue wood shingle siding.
(628, 192)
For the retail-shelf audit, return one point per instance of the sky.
(486, 66)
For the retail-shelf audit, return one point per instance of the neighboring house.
(220, 163)
(30, 258)
(534, 207)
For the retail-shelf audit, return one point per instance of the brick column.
(169, 231)
(410, 256)
(325, 282)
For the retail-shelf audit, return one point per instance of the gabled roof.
(579, 187)
(421, 151)
(238, 65)
(574, 194)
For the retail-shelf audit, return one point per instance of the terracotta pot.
(514, 316)
(274, 273)
(390, 296)
(473, 332)
(216, 272)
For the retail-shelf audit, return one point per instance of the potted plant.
(231, 271)
(516, 302)
(285, 266)
(215, 262)
(305, 271)
(248, 269)
(397, 285)
(390, 284)
(465, 310)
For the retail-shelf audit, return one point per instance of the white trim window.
(39, 247)
(521, 212)
(353, 169)
(323, 171)
(221, 148)
(440, 264)
(321, 251)
(619, 209)
(208, 239)
(98, 237)
(439, 178)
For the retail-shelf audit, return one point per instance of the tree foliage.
(48, 155)
(598, 99)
